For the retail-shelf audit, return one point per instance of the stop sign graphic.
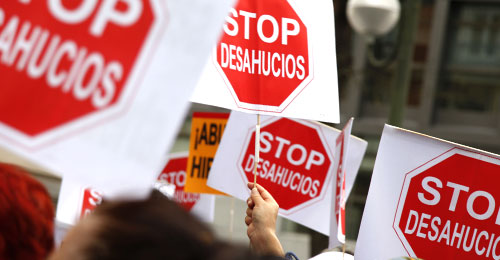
(71, 64)
(449, 207)
(264, 54)
(91, 198)
(295, 162)
(175, 173)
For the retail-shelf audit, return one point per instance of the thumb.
(256, 197)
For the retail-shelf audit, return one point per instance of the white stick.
(231, 219)
(257, 149)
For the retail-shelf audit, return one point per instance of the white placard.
(431, 199)
(126, 140)
(69, 202)
(339, 198)
(333, 256)
(204, 208)
(76, 200)
(236, 77)
(228, 170)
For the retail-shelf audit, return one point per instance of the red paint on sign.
(91, 198)
(264, 54)
(340, 176)
(62, 61)
(450, 208)
(175, 173)
(295, 162)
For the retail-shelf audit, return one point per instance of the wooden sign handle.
(257, 149)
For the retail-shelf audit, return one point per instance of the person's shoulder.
(271, 258)
(291, 256)
(288, 256)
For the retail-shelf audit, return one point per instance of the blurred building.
(455, 86)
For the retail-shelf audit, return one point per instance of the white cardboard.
(319, 99)
(333, 256)
(400, 152)
(70, 200)
(69, 204)
(204, 208)
(225, 176)
(336, 237)
(130, 147)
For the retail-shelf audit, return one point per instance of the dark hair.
(156, 228)
(26, 216)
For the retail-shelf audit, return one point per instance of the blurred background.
(436, 72)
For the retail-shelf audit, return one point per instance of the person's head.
(155, 228)
(26, 216)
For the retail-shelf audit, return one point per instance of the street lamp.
(376, 17)
(373, 17)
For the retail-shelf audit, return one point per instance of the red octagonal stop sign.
(295, 161)
(175, 173)
(449, 208)
(63, 61)
(264, 55)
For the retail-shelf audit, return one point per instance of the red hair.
(26, 216)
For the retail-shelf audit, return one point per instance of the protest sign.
(98, 89)
(90, 199)
(339, 198)
(296, 166)
(206, 134)
(431, 199)
(76, 201)
(200, 205)
(275, 57)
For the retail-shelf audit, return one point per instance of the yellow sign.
(206, 134)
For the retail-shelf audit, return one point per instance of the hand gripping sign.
(275, 57)
(296, 165)
(295, 162)
(431, 199)
(201, 205)
(91, 88)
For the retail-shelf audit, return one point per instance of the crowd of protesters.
(154, 228)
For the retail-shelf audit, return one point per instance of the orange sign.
(206, 134)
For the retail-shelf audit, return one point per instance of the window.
(469, 84)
